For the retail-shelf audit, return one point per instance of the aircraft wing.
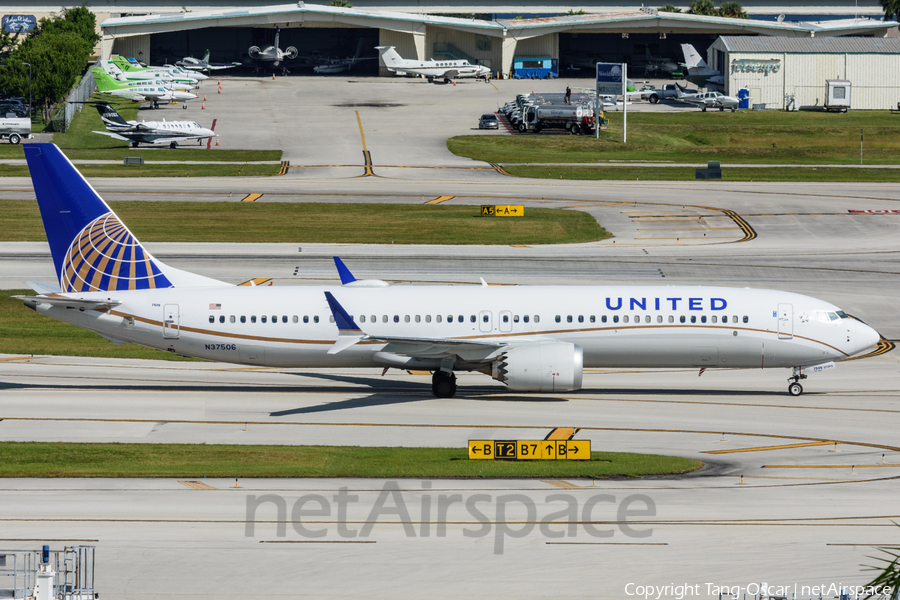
(129, 95)
(113, 135)
(435, 347)
(349, 334)
(169, 140)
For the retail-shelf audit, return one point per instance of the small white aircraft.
(698, 72)
(273, 53)
(170, 81)
(529, 338)
(203, 65)
(150, 132)
(448, 69)
(153, 92)
(708, 99)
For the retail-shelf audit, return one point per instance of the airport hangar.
(617, 36)
(773, 69)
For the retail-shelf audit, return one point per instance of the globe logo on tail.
(105, 256)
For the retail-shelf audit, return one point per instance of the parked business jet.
(448, 69)
(536, 338)
(150, 132)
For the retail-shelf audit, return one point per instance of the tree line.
(58, 51)
(732, 9)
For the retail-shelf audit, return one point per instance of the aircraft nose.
(865, 336)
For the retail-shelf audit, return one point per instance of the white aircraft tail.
(692, 58)
(390, 56)
(113, 71)
(205, 59)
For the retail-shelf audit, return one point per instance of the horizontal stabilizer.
(44, 288)
(70, 302)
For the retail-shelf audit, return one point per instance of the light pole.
(30, 108)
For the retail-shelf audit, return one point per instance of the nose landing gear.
(794, 387)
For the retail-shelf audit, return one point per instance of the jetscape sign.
(752, 65)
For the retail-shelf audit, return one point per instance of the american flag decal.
(215, 306)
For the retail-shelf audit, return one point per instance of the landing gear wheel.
(704, 109)
(134, 144)
(733, 108)
(173, 145)
(721, 109)
(443, 385)
(184, 106)
(795, 389)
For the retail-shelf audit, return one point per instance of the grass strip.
(638, 173)
(756, 137)
(56, 459)
(324, 223)
(23, 331)
(151, 170)
(80, 141)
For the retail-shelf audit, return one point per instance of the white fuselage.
(616, 326)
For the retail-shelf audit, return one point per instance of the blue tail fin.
(92, 249)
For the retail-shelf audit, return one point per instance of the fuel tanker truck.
(574, 118)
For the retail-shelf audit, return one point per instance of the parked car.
(488, 121)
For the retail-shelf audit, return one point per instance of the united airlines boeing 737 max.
(530, 338)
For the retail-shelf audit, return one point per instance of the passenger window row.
(505, 318)
(649, 319)
(374, 319)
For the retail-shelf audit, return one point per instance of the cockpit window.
(833, 316)
(842, 314)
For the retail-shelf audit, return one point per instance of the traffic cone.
(202, 107)
(204, 97)
(273, 76)
(220, 83)
(220, 90)
(217, 141)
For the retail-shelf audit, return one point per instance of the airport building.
(624, 36)
(776, 69)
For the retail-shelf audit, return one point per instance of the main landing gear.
(794, 387)
(443, 384)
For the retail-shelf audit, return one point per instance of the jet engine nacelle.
(541, 367)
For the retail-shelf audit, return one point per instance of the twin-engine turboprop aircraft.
(448, 69)
(536, 338)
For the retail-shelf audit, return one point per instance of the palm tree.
(733, 9)
(669, 8)
(340, 3)
(703, 7)
(891, 9)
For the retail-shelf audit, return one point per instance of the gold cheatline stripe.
(251, 197)
(440, 199)
(761, 448)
